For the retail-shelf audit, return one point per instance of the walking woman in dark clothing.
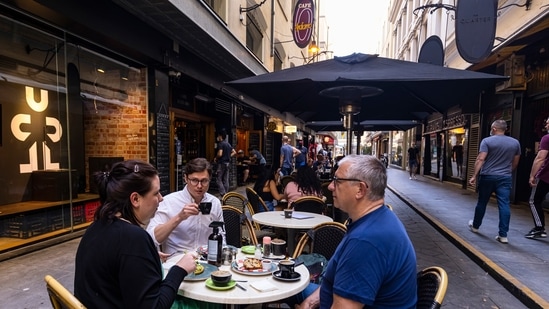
(117, 263)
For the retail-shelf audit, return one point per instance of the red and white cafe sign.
(304, 14)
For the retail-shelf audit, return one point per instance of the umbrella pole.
(349, 141)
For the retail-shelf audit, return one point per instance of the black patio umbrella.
(392, 89)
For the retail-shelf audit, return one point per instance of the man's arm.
(163, 230)
(296, 152)
(516, 160)
(538, 162)
(233, 152)
(478, 165)
(312, 301)
(340, 302)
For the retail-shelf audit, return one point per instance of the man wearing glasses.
(374, 266)
(178, 224)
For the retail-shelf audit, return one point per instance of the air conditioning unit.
(514, 68)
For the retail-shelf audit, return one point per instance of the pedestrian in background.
(498, 156)
(413, 160)
(539, 181)
(301, 159)
(287, 154)
(223, 159)
(117, 264)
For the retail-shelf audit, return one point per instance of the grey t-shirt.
(500, 150)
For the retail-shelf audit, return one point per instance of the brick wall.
(117, 128)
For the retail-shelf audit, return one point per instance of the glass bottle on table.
(258, 254)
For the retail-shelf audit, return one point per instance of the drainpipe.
(272, 28)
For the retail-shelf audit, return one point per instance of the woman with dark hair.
(266, 188)
(305, 183)
(117, 263)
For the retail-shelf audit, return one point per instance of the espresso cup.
(267, 264)
(278, 247)
(288, 213)
(205, 208)
(286, 268)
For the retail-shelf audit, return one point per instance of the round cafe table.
(199, 291)
(299, 221)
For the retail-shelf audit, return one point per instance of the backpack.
(315, 263)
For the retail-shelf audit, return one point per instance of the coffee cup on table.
(278, 246)
(267, 264)
(286, 268)
(288, 213)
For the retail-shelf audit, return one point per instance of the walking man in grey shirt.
(498, 157)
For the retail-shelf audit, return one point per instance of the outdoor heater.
(350, 98)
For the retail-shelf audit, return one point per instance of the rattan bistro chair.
(309, 204)
(234, 220)
(322, 239)
(284, 180)
(256, 204)
(236, 200)
(432, 283)
(60, 297)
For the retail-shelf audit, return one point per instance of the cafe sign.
(303, 21)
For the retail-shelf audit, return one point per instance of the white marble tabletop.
(299, 221)
(199, 291)
(277, 219)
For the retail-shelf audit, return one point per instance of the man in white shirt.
(178, 224)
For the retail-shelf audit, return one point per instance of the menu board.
(254, 140)
(163, 151)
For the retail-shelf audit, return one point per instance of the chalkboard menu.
(269, 150)
(254, 140)
(163, 151)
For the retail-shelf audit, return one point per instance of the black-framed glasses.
(196, 181)
(338, 180)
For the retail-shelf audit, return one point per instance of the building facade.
(89, 83)
(519, 51)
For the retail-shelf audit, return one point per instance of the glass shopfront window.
(397, 144)
(456, 153)
(67, 112)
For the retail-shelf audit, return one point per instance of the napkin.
(263, 286)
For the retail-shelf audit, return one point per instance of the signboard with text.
(303, 22)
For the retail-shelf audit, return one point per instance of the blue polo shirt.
(375, 264)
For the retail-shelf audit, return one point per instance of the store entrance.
(193, 137)
(455, 154)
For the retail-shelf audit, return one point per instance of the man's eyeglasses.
(338, 180)
(195, 181)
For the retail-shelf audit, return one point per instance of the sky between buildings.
(355, 26)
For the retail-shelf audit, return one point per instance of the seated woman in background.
(117, 264)
(266, 188)
(305, 183)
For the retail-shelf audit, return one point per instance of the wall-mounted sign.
(475, 28)
(432, 51)
(290, 129)
(304, 17)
